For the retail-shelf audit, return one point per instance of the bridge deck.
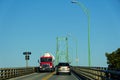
(47, 76)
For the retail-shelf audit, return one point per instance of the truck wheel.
(52, 70)
(57, 73)
(69, 73)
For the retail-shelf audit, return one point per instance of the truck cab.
(47, 63)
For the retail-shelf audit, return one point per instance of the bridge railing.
(96, 73)
(6, 73)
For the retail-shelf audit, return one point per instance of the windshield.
(63, 64)
(46, 59)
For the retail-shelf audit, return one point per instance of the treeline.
(113, 59)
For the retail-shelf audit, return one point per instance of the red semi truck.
(47, 62)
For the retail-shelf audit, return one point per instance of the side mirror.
(38, 61)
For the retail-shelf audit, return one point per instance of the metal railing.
(7, 73)
(96, 73)
(87, 73)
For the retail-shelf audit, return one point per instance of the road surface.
(47, 76)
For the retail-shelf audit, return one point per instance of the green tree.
(113, 59)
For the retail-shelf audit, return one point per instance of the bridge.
(78, 73)
(63, 53)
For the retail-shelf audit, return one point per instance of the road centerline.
(48, 76)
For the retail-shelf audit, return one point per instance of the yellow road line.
(48, 76)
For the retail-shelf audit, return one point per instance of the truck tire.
(69, 73)
(57, 73)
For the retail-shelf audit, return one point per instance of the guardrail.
(87, 73)
(7, 73)
(96, 73)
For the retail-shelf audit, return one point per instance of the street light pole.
(67, 57)
(86, 11)
(57, 58)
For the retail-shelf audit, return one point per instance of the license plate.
(63, 69)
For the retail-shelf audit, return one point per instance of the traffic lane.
(33, 76)
(63, 77)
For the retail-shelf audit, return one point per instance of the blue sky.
(33, 25)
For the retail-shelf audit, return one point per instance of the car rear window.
(63, 64)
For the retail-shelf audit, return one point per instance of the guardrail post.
(1, 74)
(5, 73)
(14, 73)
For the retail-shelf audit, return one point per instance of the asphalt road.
(46, 76)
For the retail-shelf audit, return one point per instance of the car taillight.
(68, 66)
(59, 67)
